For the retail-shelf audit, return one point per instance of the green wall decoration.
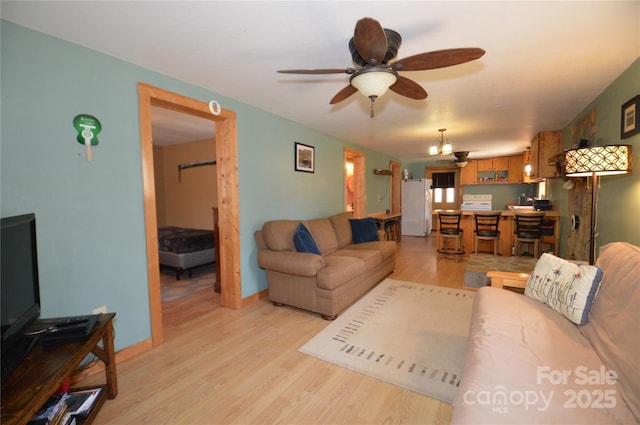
(88, 127)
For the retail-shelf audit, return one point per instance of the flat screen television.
(20, 289)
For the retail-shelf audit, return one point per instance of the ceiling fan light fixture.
(373, 83)
(433, 150)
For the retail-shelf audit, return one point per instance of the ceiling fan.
(372, 47)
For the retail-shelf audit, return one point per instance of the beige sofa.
(326, 283)
(528, 364)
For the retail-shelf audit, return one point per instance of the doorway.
(227, 188)
(186, 197)
(356, 186)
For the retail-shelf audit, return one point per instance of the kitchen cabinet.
(469, 173)
(543, 146)
(516, 169)
(509, 169)
(493, 164)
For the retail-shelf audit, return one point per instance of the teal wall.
(618, 196)
(90, 215)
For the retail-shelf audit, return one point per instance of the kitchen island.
(551, 231)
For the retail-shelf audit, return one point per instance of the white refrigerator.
(416, 207)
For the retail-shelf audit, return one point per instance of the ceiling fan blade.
(438, 59)
(343, 94)
(318, 71)
(408, 88)
(370, 40)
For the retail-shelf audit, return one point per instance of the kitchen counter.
(506, 227)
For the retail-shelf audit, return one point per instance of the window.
(441, 195)
(444, 189)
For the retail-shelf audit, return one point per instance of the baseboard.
(255, 297)
(121, 356)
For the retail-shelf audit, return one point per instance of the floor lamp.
(595, 162)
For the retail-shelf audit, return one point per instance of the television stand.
(46, 367)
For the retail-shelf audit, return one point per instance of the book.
(81, 402)
(51, 412)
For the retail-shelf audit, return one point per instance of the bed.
(184, 249)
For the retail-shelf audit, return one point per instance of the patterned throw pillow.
(364, 230)
(568, 288)
(303, 240)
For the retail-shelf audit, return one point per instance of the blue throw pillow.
(303, 240)
(364, 230)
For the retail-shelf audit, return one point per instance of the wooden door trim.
(227, 186)
(396, 187)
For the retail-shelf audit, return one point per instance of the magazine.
(81, 402)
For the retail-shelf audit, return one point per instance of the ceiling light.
(373, 82)
(528, 168)
(443, 147)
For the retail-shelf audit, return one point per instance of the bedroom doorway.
(185, 178)
(227, 189)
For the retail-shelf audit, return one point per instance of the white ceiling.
(545, 60)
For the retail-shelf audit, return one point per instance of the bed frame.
(187, 261)
(184, 249)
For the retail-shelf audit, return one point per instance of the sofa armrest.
(509, 279)
(295, 263)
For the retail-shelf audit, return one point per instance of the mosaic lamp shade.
(601, 160)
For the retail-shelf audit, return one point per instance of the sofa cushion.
(278, 234)
(324, 235)
(342, 228)
(614, 324)
(364, 229)
(566, 287)
(303, 240)
(339, 270)
(386, 248)
(372, 258)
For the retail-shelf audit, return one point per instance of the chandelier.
(443, 147)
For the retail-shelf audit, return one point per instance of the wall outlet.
(100, 310)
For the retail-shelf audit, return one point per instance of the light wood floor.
(221, 366)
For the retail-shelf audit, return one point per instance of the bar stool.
(450, 231)
(487, 223)
(528, 231)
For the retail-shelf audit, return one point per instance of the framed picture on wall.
(305, 158)
(630, 124)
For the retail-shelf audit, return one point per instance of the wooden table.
(390, 224)
(46, 367)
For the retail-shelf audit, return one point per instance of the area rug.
(201, 278)
(475, 273)
(407, 334)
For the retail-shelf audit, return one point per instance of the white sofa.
(527, 363)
